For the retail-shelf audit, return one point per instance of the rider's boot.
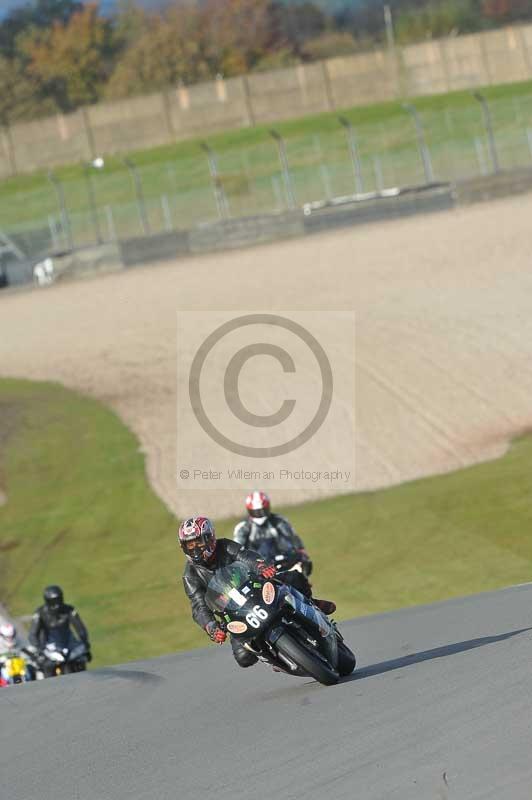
(327, 606)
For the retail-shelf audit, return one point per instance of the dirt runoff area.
(443, 360)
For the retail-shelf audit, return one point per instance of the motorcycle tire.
(75, 666)
(309, 663)
(346, 660)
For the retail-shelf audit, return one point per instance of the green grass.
(177, 175)
(80, 513)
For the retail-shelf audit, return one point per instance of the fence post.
(92, 202)
(353, 151)
(139, 194)
(53, 232)
(89, 133)
(110, 223)
(529, 140)
(219, 192)
(287, 178)
(63, 212)
(166, 213)
(480, 156)
(248, 99)
(10, 147)
(377, 170)
(277, 193)
(331, 105)
(488, 124)
(167, 111)
(422, 144)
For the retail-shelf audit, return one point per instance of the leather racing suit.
(275, 537)
(196, 579)
(56, 625)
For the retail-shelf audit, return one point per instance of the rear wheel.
(346, 659)
(309, 663)
(75, 666)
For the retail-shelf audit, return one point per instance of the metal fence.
(105, 202)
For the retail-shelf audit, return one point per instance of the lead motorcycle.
(278, 624)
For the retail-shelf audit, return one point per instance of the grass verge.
(177, 189)
(79, 512)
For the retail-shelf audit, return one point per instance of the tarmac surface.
(440, 707)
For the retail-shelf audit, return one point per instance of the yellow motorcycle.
(15, 668)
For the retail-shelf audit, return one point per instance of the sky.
(8, 5)
(107, 5)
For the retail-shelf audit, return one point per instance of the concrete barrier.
(244, 232)
(457, 62)
(159, 247)
(251, 231)
(490, 187)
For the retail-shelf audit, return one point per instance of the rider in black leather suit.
(56, 618)
(205, 554)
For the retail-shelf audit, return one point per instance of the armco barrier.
(438, 197)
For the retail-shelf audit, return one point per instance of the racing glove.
(215, 632)
(266, 570)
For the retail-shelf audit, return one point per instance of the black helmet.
(53, 597)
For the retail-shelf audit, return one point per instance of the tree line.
(58, 55)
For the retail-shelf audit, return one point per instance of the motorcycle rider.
(272, 535)
(9, 639)
(205, 554)
(54, 619)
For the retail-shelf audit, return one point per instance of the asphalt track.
(439, 708)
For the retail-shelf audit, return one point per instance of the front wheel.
(346, 660)
(309, 663)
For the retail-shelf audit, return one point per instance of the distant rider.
(54, 620)
(9, 640)
(271, 535)
(205, 554)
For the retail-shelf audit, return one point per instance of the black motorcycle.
(63, 655)
(278, 624)
(286, 559)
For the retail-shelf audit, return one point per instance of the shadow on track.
(134, 675)
(428, 655)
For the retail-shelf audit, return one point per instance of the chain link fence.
(104, 203)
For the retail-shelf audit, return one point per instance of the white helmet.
(258, 507)
(8, 635)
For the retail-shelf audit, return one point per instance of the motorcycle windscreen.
(224, 589)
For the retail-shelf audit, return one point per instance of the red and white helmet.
(8, 635)
(197, 539)
(258, 506)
